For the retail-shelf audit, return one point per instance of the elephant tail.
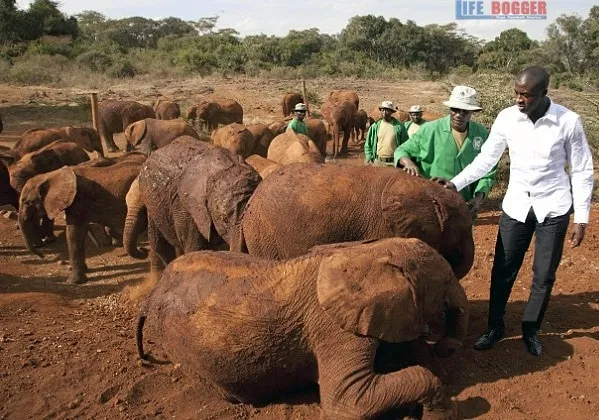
(139, 336)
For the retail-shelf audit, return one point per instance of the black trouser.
(512, 243)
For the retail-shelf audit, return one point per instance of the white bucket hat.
(387, 105)
(463, 97)
(300, 107)
(415, 108)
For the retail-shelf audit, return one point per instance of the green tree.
(507, 52)
(9, 21)
(44, 18)
(567, 45)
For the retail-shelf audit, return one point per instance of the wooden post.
(305, 97)
(94, 104)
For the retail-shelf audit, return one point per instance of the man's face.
(529, 96)
(459, 119)
(416, 117)
(300, 115)
(386, 113)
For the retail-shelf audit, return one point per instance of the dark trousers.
(512, 243)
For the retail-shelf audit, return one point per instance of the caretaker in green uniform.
(383, 137)
(297, 124)
(443, 148)
(415, 121)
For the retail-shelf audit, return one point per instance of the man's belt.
(385, 159)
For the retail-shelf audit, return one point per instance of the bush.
(97, 61)
(121, 69)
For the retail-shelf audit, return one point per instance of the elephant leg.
(76, 234)
(109, 142)
(161, 252)
(350, 389)
(344, 144)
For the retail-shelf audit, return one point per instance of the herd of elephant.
(273, 270)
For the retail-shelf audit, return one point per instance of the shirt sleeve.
(369, 144)
(580, 161)
(488, 157)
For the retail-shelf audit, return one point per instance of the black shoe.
(533, 345)
(488, 339)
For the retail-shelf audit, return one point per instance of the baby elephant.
(257, 328)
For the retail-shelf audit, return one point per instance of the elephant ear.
(410, 211)
(136, 132)
(58, 191)
(370, 295)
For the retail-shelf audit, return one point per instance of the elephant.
(236, 138)
(360, 125)
(300, 206)
(115, 116)
(426, 116)
(194, 194)
(262, 138)
(46, 159)
(317, 131)
(86, 194)
(223, 111)
(340, 95)
(8, 195)
(166, 110)
(36, 138)
(289, 101)
(341, 118)
(291, 147)
(278, 127)
(150, 133)
(254, 329)
(262, 165)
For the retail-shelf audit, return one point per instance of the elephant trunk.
(456, 321)
(29, 231)
(134, 222)
(461, 257)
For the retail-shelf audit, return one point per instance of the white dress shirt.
(539, 154)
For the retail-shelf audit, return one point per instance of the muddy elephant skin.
(341, 118)
(255, 329)
(85, 194)
(262, 165)
(236, 138)
(150, 133)
(291, 147)
(194, 194)
(36, 138)
(289, 101)
(360, 125)
(222, 111)
(317, 131)
(115, 116)
(262, 138)
(166, 110)
(300, 206)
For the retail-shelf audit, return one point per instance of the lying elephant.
(257, 328)
(194, 194)
(302, 205)
(86, 194)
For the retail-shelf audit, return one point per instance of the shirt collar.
(552, 113)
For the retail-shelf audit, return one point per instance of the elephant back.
(159, 179)
(419, 208)
(234, 137)
(291, 147)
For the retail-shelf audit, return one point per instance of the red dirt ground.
(68, 351)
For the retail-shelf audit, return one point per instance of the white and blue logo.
(497, 9)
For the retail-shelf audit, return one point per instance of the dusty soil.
(68, 351)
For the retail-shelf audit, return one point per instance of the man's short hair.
(539, 75)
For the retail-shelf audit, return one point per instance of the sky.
(251, 17)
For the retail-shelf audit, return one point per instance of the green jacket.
(408, 123)
(434, 151)
(372, 138)
(298, 126)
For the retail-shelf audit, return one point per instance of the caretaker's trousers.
(513, 240)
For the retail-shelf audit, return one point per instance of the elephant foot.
(447, 346)
(113, 148)
(449, 412)
(77, 278)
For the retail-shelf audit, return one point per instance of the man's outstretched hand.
(445, 182)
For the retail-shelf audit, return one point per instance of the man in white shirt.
(542, 138)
